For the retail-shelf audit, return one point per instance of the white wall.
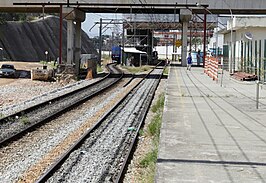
(216, 37)
(258, 33)
(162, 50)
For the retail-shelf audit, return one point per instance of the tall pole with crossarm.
(231, 65)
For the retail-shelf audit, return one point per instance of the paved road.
(211, 133)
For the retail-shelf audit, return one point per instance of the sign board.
(178, 43)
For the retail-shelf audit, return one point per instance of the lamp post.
(46, 55)
(44, 62)
(204, 37)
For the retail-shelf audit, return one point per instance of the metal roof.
(133, 50)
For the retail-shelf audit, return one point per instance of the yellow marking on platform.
(186, 121)
(179, 89)
(178, 82)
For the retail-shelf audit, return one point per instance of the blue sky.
(91, 18)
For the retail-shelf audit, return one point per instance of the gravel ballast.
(31, 149)
(94, 161)
(24, 94)
(18, 157)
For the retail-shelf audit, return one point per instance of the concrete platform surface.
(211, 131)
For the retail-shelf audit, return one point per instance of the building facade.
(248, 50)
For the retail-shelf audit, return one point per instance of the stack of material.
(65, 73)
(242, 76)
(42, 74)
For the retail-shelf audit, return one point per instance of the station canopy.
(132, 50)
(171, 22)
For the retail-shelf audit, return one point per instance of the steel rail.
(79, 142)
(19, 113)
(135, 139)
(57, 113)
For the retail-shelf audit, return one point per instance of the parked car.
(8, 70)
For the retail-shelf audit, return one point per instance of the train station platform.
(211, 131)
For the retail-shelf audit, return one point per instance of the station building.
(248, 51)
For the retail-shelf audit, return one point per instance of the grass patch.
(43, 62)
(141, 132)
(50, 65)
(137, 69)
(166, 71)
(148, 161)
(99, 69)
(106, 59)
(155, 125)
(158, 106)
(24, 120)
(2, 115)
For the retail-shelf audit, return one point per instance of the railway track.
(16, 125)
(100, 155)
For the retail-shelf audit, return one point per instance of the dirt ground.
(26, 66)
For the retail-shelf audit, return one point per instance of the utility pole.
(113, 40)
(135, 27)
(152, 42)
(166, 51)
(60, 34)
(231, 65)
(100, 42)
(204, 37)
(174, 37)
(190, 38)
(123, 45)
